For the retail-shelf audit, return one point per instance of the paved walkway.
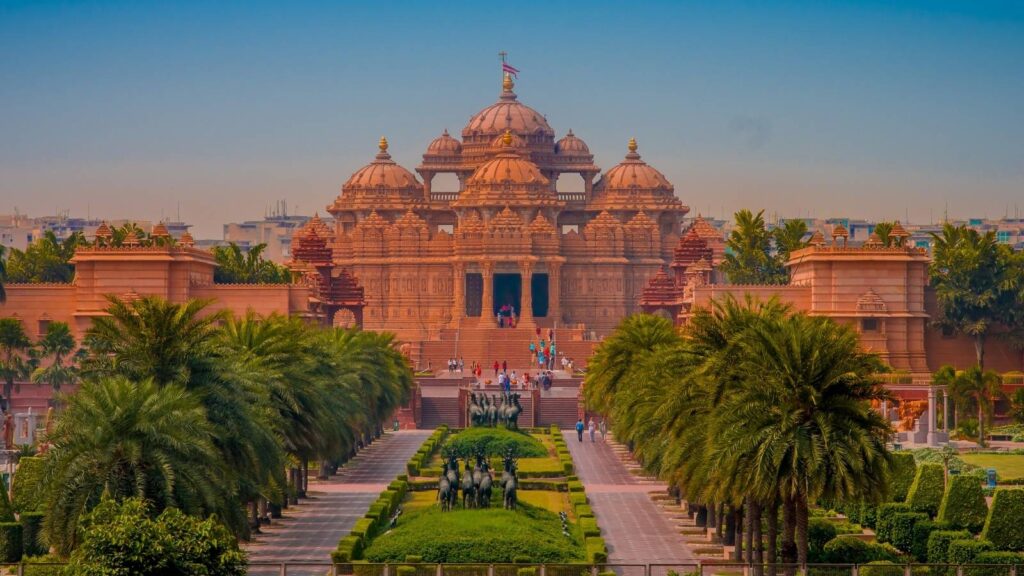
(634, 528)
(310, 531)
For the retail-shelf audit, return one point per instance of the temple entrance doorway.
(539, 293)
(508, 288)
(474, 294)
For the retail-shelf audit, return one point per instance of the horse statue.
(510, 481)
(476, 410)
(452, 468)
(492, 412)
(468, 488)
(444, 490)
(512, 413)
(483, 493)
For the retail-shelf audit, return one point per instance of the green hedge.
(11, 545)
(868, 515)
(964, 551)
(577, 498)
(901, 529)
(963, 504)
(589, 527)
(583, 511)
(31, 528)
(575, 486)
(926, 491)
(819, 532)
(422, 457)
(349, 549)
(904, 468)
(919, 540)
(883, 529)
(597, 553)
(848, 549)
(939, 541)
(1005, 524)
(495, 442)
(26, 492)
(994, 563)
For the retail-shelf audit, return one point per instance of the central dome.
(507, 114)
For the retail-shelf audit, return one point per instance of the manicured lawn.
(541, 466)
(1007, 465)
(548, 499)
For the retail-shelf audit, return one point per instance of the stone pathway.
(635, 529)
(309, 532)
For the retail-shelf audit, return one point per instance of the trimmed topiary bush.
(926, 492)
(903, 471)
(495, 442)
(819, 532)
(597, 553)
(995, 563)
(963, 504)
(589, 527)
(883, 529)
(964, 551)
(939, 541)
(851, 550)
(25, 490)
(11, 545)
(901, 529)
(868, 515)
(919, 540)
(1004, 526)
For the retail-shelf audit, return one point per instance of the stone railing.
(444, 196)
(572, 196)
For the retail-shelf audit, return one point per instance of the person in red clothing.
(504, 365)
(496, 366)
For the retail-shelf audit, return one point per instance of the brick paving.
(634, 528)
(310, 531)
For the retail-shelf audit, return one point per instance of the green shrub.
(413, 468)
(819, 532)
(567, 467)
(901, 529)
(963, 504)
(1005, 524)
(926, 491)
(919, 540)
(363, 528)
(575, 486)
(852, 511)
(577, 498)
(530, 571)
(11, 545)
(880, 568)
(903, 471)
(498, 536)
(589, 527)
(31, 527)
(25, 489)
(851, 550)
(495, 442)
(597, 553)
(583, 511)
(349, 548)
(964, 551)
(883, 530)
(405, 570)
(868, 515)
(939, 541)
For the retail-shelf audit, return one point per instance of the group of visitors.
(456, 365)
(545, 352)
(591, 427)
(506, 316)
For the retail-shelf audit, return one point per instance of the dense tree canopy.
(48, 259)
(237, 267)
(756, 255)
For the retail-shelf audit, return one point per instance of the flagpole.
(503, 55)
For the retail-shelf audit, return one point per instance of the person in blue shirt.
(579, 429)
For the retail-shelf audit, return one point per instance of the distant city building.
(275, 230)
(20, 230)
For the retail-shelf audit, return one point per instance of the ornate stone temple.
(423, 261)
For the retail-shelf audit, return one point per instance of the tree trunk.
(773, 536)
(293, 477)
(788, 552)
(757, 545)
(748, 532)
(801, 530)
(737, 533)
(720, 525)
(700, 519)
(979, 350)
(254, 516)
(712, 521)
(981, 421)
(305, 476)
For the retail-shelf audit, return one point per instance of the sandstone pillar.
(458, 292)
(428, 178)
(932, 440)
(526, 313)
(487, 306)
(945, 410)
(554, 291)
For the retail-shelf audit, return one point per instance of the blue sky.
(860, 109)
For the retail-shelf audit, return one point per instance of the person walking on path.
(591, 427)
(579, 429)
(604, 428)
(504, 366)
(496, 366)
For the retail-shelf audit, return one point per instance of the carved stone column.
(428, 179)
(487, 306)
(931, 436)
(526, 268)
(458, 292)
(554, 291)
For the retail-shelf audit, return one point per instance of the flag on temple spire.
(508, 69)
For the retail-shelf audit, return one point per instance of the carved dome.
(507, 114)
(508, 167)
(382, 172)
(572, 145)
(508, 138)
(634, 173)
(445, 145)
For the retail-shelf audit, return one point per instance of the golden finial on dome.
(383, 144)
(632, 145)
(506, 83)
(506, 138)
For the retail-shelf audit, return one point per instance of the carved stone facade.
(427, 261)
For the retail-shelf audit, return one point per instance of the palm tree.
(143, 440)
(969, 271)
(884, 231)
(789, 238)
(981, 387)
(57, 343)
(14, 345)
(635, 335)
(237, 267)
(748, 258)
